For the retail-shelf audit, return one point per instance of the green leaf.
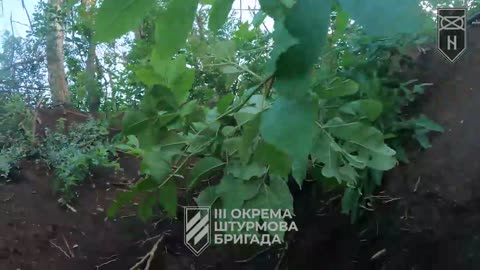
(147, 76)
(283, 41)
(422, 138)
(299, 170)
(228, 131)
(288, 3)
(277, 161)
(132, 140)
(134, 122)
(378, 161)
(231, 145)
(245, 172)
(273, 8)
(157, 164)
(122, 199)
(207, 197)
(390, 17)
(337, 88)
(275, 196)
(294, 66)
(203, 167)
(173, 26)
(224, 103)
(341, 22)
(250, 131)
(370, 108)
(350, 200)
(145, 208)
(259, 18)
(189, 108)
(219, 14)
(360, 134)
(174, 74)
(115, 18)
(167, 197)
(424, 122)
(224, 50)
(289, 125)
(234, 191)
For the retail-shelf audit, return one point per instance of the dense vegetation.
(321, 96)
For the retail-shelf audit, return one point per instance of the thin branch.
(105, 263)
(26, 12)
(148, 257)
(59, 248)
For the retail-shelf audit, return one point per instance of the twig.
(282, 256)
(105, 263)
(416, 184)
(28, 15)
(59, 248)
(254, 255)
(71, 208)
(153, 237)
(148, 257)
(378, 254)
(68, 246)
(392, 200)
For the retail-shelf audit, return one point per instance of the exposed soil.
(435, 224)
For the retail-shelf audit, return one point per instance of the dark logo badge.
(452, 32)
(197, 229)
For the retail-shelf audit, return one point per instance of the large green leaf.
(277, 161)
(134, 122)
(219, 14)
(225, 102)
(157, 164)
(307, 21)
(360, 134)
(289, 126)
(245, 172)
(366, 141)
(283, 41)
(173, 26)
(424, 122)
(207, 197)
(337, 88)
(370, 108)
(203, 167)
(390, 16)
(115, 18)
(250, 131)
(234, 191)
(174, 74)
(168, 198)
(274, 196)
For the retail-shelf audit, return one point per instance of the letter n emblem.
(452, 32)
(197, 229)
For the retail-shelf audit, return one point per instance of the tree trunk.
(57, 78)
(93, 92)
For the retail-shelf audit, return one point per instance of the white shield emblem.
(197, 229)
